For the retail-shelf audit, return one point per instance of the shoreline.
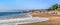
(53, 19)
(23, 20)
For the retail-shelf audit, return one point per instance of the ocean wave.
(22, 18)
(22, 21)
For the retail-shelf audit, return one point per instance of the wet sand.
(53, 19)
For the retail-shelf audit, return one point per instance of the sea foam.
(24, 18)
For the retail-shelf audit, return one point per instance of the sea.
(14, 18)
(8, 13)
(11, 15)
(11, 18)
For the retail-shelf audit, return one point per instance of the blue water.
(11, 15)
(8, 13)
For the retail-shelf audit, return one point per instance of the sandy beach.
(53, 19)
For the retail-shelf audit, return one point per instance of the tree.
(54, 7)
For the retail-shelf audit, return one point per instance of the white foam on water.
(22, 21)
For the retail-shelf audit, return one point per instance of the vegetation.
(54, 7)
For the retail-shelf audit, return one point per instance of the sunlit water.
(22, 18)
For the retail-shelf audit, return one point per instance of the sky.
(26, 4)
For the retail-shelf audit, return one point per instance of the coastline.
(22, 21)
(26, 18)
(53, 19)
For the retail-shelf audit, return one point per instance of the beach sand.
(53, 19)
